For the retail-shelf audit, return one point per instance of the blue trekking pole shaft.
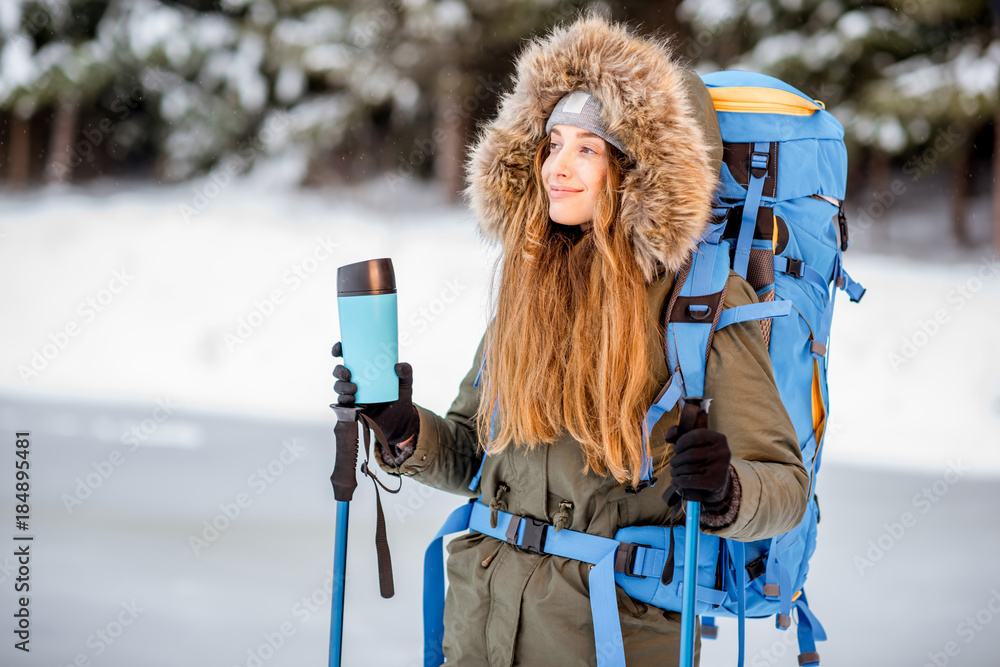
(339, 579)
(694, 414)
(344, 482)
(691, 535)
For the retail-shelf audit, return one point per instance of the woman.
(597, 178)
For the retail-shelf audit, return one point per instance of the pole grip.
(344, 477)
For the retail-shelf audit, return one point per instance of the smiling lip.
(561, 191)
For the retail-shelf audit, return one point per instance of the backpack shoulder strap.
(694, 311)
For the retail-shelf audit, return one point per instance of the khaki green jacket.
(506, 606)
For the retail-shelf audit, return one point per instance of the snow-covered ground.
(195, 343)
(890, 590)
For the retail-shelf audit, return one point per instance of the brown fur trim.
(710, 519)
(648, 100)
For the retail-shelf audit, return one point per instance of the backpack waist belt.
(606, 556)
(620, 562)
(541, 538)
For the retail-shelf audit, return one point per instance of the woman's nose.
(563, 165)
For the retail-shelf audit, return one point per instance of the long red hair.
(568, 346)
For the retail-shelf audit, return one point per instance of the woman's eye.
(588, 148)
(553, 145)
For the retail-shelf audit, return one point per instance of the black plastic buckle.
(758, 164)
(642, 485)
(534, 535)
(842, 223)
(625, 558)
(756, 568)
(794, 267)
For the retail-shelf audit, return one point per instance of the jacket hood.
(660, 111)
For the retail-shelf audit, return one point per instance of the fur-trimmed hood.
(661, 111)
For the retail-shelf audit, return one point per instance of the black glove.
(699, 469)
(398, 419)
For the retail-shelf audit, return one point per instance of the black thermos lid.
(374, 276)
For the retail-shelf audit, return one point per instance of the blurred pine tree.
(914, 80)
(352, 88)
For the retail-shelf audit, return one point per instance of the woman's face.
(573, 174)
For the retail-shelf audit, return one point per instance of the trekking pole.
(366, 305)
(694, 415)
(344, 482)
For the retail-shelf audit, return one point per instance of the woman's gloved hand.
(699, 469)
(398, 419)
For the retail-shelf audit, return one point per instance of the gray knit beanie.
(581, 109)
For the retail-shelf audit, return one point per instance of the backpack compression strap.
(763, 159)
(810, 631)
(482, 462)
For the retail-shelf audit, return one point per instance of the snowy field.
(165, 346)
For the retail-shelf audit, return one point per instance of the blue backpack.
(779, 223)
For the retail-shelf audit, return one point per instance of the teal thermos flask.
(369, 334)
